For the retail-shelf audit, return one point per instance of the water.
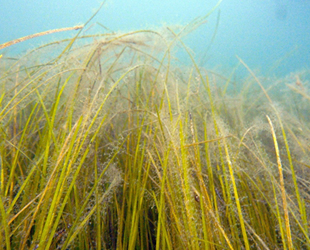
(272, 36)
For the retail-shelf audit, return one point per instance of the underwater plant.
(112, 144)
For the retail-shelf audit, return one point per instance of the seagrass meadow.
(108, 142)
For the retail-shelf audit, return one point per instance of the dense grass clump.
(110, 145)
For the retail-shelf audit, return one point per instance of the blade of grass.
(284, 202)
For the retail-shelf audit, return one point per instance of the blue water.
(271, 36)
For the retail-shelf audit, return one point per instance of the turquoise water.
(261, 32)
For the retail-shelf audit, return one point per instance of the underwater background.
(272, 36)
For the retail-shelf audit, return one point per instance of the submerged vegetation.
(111, 145)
